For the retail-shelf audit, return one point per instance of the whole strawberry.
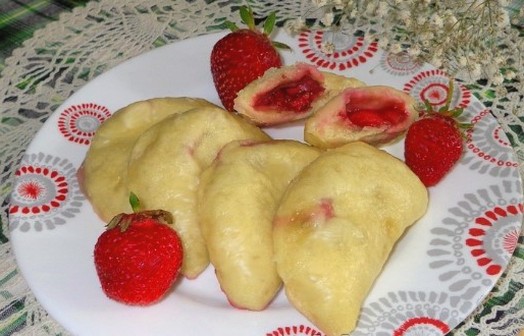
(138, 257)
(434, 143)
(242, 56)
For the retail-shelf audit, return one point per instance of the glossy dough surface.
(104, 168)
(335, 228)
(166, 162)
(239, 194)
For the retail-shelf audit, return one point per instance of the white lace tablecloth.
(59, 59)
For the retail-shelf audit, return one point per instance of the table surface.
(34, 81)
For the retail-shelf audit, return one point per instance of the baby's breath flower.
(436, 21)
(294, 26)
(327, 48)
(470, 38)
(414, 51)
(497, 79)
(510, 74)
(382, 9)
(319, 3)
(327, 19)
(395, 48)
(421, 20)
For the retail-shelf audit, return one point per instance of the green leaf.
(246, 14)
(427, 105)
(457, 112)
(450, 94)
(134, 201)
(231, 25)
(280, 45)
(269, 24)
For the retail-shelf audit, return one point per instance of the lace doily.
(59, 59)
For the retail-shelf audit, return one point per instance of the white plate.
(439, 272)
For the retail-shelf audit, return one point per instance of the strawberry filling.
(296, 96)
(368, 112)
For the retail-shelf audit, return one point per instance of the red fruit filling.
(296, 96)
(365, 111)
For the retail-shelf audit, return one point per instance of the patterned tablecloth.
(62, 56)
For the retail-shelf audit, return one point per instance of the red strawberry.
(138, 257)
(242, 56)
(434, 143)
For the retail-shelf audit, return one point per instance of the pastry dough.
(103, 172)
(335, 228)
(281, 78)
(239, 194)
(377, 115)
(166, 162)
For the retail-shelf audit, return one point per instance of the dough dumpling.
(239, 194)
(103, 173)
(289, 93)
(165, 166)
(335, 228)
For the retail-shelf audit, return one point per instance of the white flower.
(327, 19)
(327, 48)
(404, 15)
(414, 51)
(382, 9)
(497, 79)
(502, 18)
(475, 70)
(395, 48)
(294, 26)
(436, 21)
(436, 62)
(339, 4)
(510, 74)
(319, 3)
(462, 61)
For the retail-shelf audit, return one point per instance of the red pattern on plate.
(350, 51)
(479, 235)
(295, 331)
(497, 134)
(34, 188)
(78, 123)
(433, 85)
(420, 326)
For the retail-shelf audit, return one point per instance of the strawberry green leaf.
(246, 14)
(231, 26)
(134, 201)
(269, 24)
(456, 112)
(427, 105)
(280, 45)
(449, 95)
(465, 125)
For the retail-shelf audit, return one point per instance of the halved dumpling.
(103, 172)
(238, 196)
(336, 226)
(289, 93)
(373, 114)
(166, 162)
